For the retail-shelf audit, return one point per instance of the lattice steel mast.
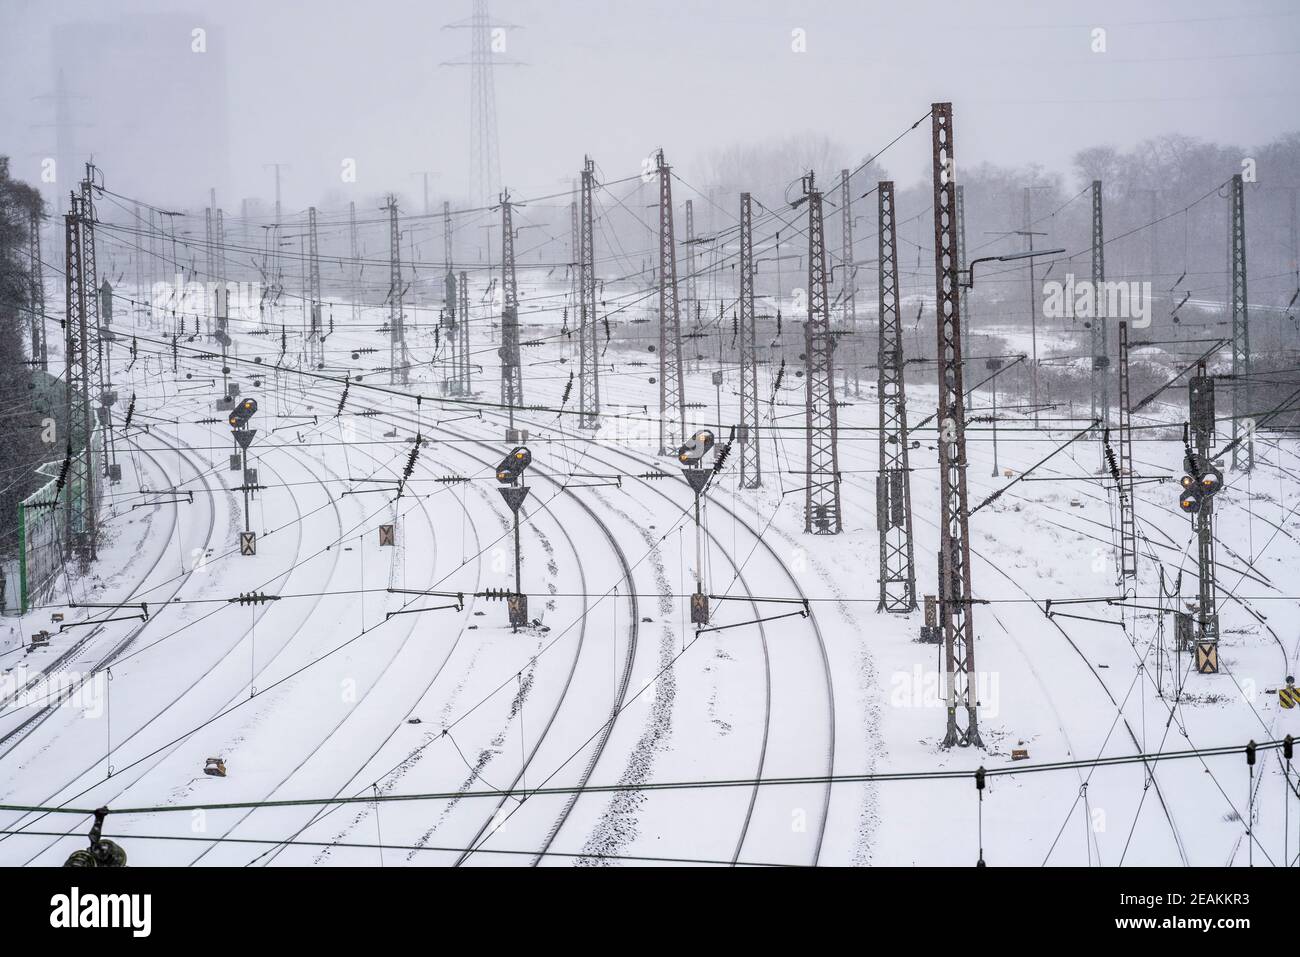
(894, 482)
(462, 292)
(751, 466)
(210, 273)
(223, 311)
(588, 354)
(79, 513)
(848, 281)
(1243, 453)
(316, 334)
(454, 385)
(355, 253)
(962, 264)
(1127, 522)
(822, 513)
(692, 293)
(98, 318)
(672, 389)
(955, 606)
(1099, 337)
(398, 366)
(512, 380)
(36, 291)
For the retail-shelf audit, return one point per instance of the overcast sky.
(312, 83)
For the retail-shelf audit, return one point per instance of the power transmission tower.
(751, 467)
(462, 321)
(79, 512)
(316, 335)
(955, 602)
(512, 376)
(1127, 521)
(487, 43)
(894, 482)
(1100, 357)
(672, 389)
(36, 290)
(588, 355)
(1243, 453)
(822, 514)
(398, 369)
(66, 141)
(962, 264)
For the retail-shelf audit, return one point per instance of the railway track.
(815, 626)
(15, 736)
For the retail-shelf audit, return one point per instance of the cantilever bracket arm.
(969, 281)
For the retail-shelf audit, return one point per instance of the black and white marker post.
(691, 455)
(510, 473)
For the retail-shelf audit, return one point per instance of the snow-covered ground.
(344, 688)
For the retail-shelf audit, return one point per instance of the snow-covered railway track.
(161, 753)
(15, 736)
(760, 542)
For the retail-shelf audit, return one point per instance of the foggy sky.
(311, 83)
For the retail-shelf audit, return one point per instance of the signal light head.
(1188, 481)
(695, 447)
(241, 413)
(1190, 502)
(512, 467)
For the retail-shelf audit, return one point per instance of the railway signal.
(1201, 482)
(692, 454)
(512, 466)
(239, 418)
(694, 449)
(510, 473)
(1199, 486)
(242, 412)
